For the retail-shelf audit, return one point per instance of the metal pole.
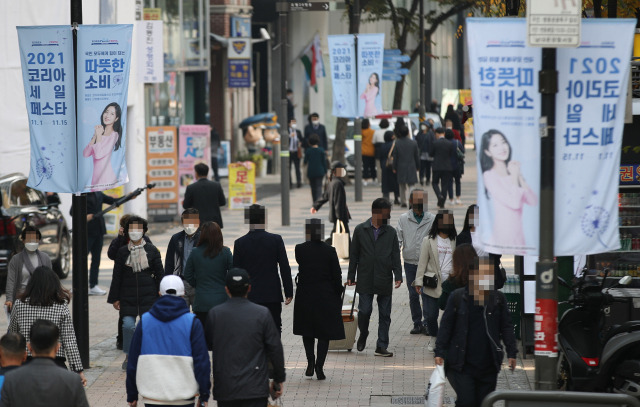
(283, 8)
(428, 96)
(357, 146)
(423, 90)
(546, 318)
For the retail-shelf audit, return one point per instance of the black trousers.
(295, 160)
(441, 181)
(425, 170)
(202, 316)
(214, 168)
(94, 246)
(316, 187)
(259, 402)
(323, 348)
(369, 167)
(470, 390)
(275, 308)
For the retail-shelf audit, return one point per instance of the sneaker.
(429, 345)
(458, 201)
(95, 290)
(383, 352)
(416, 330)
(124, 364)
(452, 202)
(362, 341)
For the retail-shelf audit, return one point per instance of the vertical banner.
(195, 147)
(590, 107)
(46, 54)
(342, 58)
(504, 84)
(162, 170)
(239, 60)
(150, 52)
(242, 184)
(104, 62)
(224, 158)
(370, 53)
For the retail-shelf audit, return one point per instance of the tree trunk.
(397, 95)
(338, 143)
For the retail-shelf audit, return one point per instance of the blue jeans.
(128, 328)
(432, 314)
(365, 308)
(417, 313)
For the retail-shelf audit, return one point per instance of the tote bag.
(340, 240)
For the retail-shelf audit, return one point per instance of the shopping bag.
(340, 240)
(435, 389)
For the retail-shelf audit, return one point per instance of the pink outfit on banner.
(101, 152)
(369, 97)
(508, 199)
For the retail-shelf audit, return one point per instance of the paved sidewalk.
(353, 378)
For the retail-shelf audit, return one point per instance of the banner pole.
(285, 173)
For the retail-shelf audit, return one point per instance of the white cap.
(174, 283)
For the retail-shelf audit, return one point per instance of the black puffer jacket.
(136, 291)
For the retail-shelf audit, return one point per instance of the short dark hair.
(189, 211)
(30, 228)
(365, 124)
(314, 229)
(388, 136)
(124, 219)
(238, 291)
(136, 219)
(256, 214)
(381, 203)
(403, 132)
(13, 344)
(314, 114)
(201, 169)
(448, 134)
(314, 140)
(44, 336)
(289, 91)
(384, 124)
(440, 130)
(211, 239)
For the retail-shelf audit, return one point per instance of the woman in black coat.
(137, 272)
(337, 197)
(389, 182)
(317, 312)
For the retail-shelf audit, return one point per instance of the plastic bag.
(435, 389)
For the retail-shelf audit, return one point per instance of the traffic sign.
(401, 71)
(391, 64)
(393, 78)
(553, 23)
(307, 6)
(398, 58)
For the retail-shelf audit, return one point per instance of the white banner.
(590, 108)
(342, 58)
(150, 51)
(504, 85)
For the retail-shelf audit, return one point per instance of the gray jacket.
(14, 274)
(243, 338)
(406, 160)
(411, 234)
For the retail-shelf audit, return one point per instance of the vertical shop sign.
(150, 51)
(242, 184)
(195, 147)
(162, 170)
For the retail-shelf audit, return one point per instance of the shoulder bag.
(390, 156)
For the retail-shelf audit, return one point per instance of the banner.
(342, 57)
(239, 62)
(103, 65)
(370, 53)
(504, 84)
(162, 169)
(195, 147)
(224, 158)
(151, 65)
(590, 108)
(242, 185)
(46, 54)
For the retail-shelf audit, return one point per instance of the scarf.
(137, 257)
(27, 263)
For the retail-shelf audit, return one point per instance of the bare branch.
(394, 19)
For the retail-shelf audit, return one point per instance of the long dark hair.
(117, 125)
(377, 84)
(464, 259)
(486, 162)
(44, 289)
(435, 228)
(211, 238)
(466, 227)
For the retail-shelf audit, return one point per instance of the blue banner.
(104, 62)
(370, 54)
(46, 54)
(342, 58)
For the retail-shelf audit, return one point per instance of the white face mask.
(190, 229)
(135, 235)
(315, 122)
(293, 126)
(32, 247)
(485, 284)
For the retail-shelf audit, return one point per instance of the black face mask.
(417, 207)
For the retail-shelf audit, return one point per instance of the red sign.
(546, 328)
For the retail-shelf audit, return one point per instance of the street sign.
(400, 71)
(307, 6)
(397, 58)
(392, 52)
(553, 23)
(393, 78)
(391, 64)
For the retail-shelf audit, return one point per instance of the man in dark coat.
(406, 163)
(295, 151)
(314, 127)
(336, 195)
(205, 195)
(442, 150)
(374, 261)
(260, 253)
(179, 249)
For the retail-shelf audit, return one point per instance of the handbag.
(390, 156)
(434, 396)
(340, 240)
(430, 280)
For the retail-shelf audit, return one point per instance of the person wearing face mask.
(335, 194)
(21, 265)
(314, 127)
(475, 321)
(180, 246)
(137, 272)
(425, 139)
(295, 151)
(435, 263)
(374, 266)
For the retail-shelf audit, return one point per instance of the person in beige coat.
(435, 264)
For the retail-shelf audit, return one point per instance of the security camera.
(265, 34)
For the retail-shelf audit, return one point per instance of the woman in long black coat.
(317, 313)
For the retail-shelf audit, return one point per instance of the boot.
(319, 373)
(310, 367)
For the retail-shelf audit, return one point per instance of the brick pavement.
(353, 378)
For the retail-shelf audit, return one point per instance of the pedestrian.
(317, 311)
(335, 194)
(368, 152)
(455, 122)
(207, 268)
(295, 151)
(41, 382)
(137, 272)
(243, 340)
(406, 162)
(45, 298)
(180, 246)
(413, 227)
(475, 321)
(13, 353)
(457, 165)
(389, 180)
(425, 139)
(464, 257)
(290, 105)
(22, 265)
(314, 127)
(374, 265)
(168, 358)
(442, 150)
(316, 160)
(435, 264)
(205, 195)
(260, 253)
(215, 150)
(378, 142)
(448, 125)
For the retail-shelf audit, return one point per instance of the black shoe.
(425, 331)
(421, 182)
(383, 352)
(396, 201)
(362, 341)
(310, 368)
(119, 345)
(403, 205)
(416, 330)
(126, 361)
(319, 373)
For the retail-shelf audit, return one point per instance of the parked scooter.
(594, 359)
